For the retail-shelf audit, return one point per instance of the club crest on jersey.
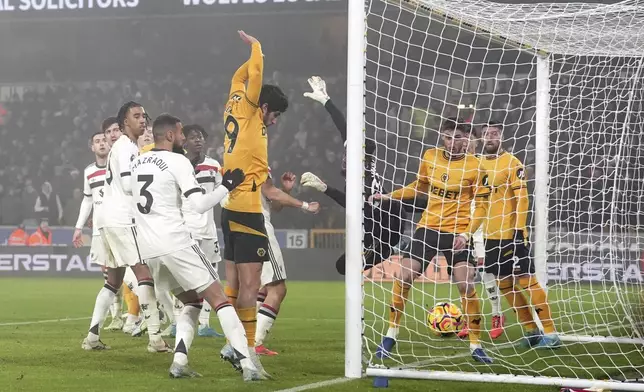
(444, 177)
(485, 181)
(261, 252)
(236, 98)
(521, 173)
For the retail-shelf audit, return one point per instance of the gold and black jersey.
(507, 182)
(245, 141)
(450, 184)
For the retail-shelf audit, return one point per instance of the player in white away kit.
(116, 225)
(273, 291)
(202, 226)
(94, 178)
(160, 178)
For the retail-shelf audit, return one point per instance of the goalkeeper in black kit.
(383, 222)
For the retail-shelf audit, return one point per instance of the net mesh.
(429, 60)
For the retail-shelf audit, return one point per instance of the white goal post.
(567, 82)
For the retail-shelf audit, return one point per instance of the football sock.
(472, 308)
(232, 295)
(234, 331)
(204, 315)
(539, 300)
(167, 304)
(186, 323)
(265, 318)
(131, 300)
(489, 281)
(517, 301)
(115, 308)
(104, 299)
(248, 317)
(149, 307)
(398, 299)
(261, 297)
(178, 307)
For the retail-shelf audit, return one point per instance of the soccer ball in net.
(445, 318)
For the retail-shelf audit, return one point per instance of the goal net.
(567, 82)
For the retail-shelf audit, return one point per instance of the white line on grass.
(43, 321)
(316, 385)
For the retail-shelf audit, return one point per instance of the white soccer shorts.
(273, 269)
(97, 253)
(120, 246)
(210, 248)
(183, 270)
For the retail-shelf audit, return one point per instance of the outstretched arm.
(319, 94)
(312, 181)
(251, 71)
(283, 199)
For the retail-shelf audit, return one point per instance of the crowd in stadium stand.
(44, 132)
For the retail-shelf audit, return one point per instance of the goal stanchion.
(567, 82)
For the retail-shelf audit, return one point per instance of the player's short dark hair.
(274, 97)
(188, 129)
(456, 123)
(91, 138)
(108, 122)
(162, 124)
(494, 124)
(124, 110)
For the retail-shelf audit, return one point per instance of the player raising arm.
(384, 223)
(451, 178)
(507, 253)
(160, 179)
(250, 110)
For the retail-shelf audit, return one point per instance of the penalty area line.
(315, 385)
(43, 321)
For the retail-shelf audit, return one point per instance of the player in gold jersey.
(507, 253)
(451, 178)
(250, 110)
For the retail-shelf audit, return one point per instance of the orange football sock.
(248, 317)
(539, 300)
(398, 299)
(131, 300)
(472, 308)
(519, 304)
(232, 295)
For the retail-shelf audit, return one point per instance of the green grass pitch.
(309, 335)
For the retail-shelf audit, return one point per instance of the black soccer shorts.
(384, 226)
(245, 237)
(426, 243)
(508, 257)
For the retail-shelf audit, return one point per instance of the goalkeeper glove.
(232, 179)
(319, 90)
(311, 180)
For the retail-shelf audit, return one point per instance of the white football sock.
(265, 318)
(204, 316)
(186, 323)
(234, 331)
(167, 304)
(104, 299)
(148, 302)
(115, 308)
(492, 289)
(178, 308)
